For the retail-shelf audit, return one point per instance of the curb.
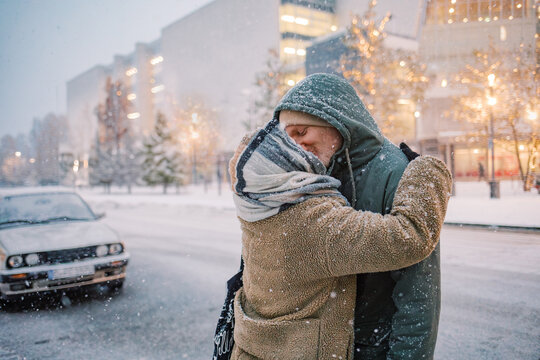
(509, 228)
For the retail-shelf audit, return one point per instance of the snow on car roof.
(35, 190)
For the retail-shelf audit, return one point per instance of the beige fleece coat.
(299, 289)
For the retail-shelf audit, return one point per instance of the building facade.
(140, 73)
(212, 55)
(452, 30)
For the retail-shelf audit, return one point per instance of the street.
(181, 257)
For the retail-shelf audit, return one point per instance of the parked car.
(54, 241)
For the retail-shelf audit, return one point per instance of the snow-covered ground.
(184, 246)
(470, 205)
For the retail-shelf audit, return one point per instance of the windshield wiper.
(59, 218)
(17, 222)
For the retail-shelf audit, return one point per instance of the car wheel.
(116, 284)
(109, 288)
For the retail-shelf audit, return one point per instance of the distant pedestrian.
(481, 172)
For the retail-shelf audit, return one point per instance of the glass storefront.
(454, 11)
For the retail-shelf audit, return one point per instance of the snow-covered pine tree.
(163, 163)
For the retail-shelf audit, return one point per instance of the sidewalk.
(470, 206)
(515, 208)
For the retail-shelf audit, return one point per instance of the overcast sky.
(44, 43)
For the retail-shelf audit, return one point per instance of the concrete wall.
(406, 14)
(84, 92)
(213, 54)
(448, 47)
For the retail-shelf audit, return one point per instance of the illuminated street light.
(491, 80)
(532, 115)
(194, 136)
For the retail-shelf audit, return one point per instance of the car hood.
(55, 236)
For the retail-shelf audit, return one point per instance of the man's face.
(322, 141)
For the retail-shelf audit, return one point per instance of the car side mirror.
(100, 216)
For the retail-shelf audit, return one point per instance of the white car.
(53, 241)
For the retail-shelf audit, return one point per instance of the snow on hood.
(333, 99)
(55, 236)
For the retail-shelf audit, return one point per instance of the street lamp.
(494, 190)
(194, 137)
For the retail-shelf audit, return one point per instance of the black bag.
(223, 338)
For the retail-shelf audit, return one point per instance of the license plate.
(71, 272)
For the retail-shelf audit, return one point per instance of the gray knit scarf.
(274, 173)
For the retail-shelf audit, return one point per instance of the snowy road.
(181, 257)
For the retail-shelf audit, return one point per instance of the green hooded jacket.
(397, 312)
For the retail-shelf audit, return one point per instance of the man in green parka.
(397, 312)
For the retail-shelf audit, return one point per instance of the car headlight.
(15, 261)
(102, 250)
(31, 259)
(115, 249)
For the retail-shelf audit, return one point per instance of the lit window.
(156, 60)
(288, 18)
(131, 97)
(301, 52)
(131, 71)
(502, 33)
(404, 101)
(289, 50)
(133, 116)
(157, 89)
(444, 83)
(476, 151)
(301, 21)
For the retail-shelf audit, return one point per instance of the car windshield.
(40, 208)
